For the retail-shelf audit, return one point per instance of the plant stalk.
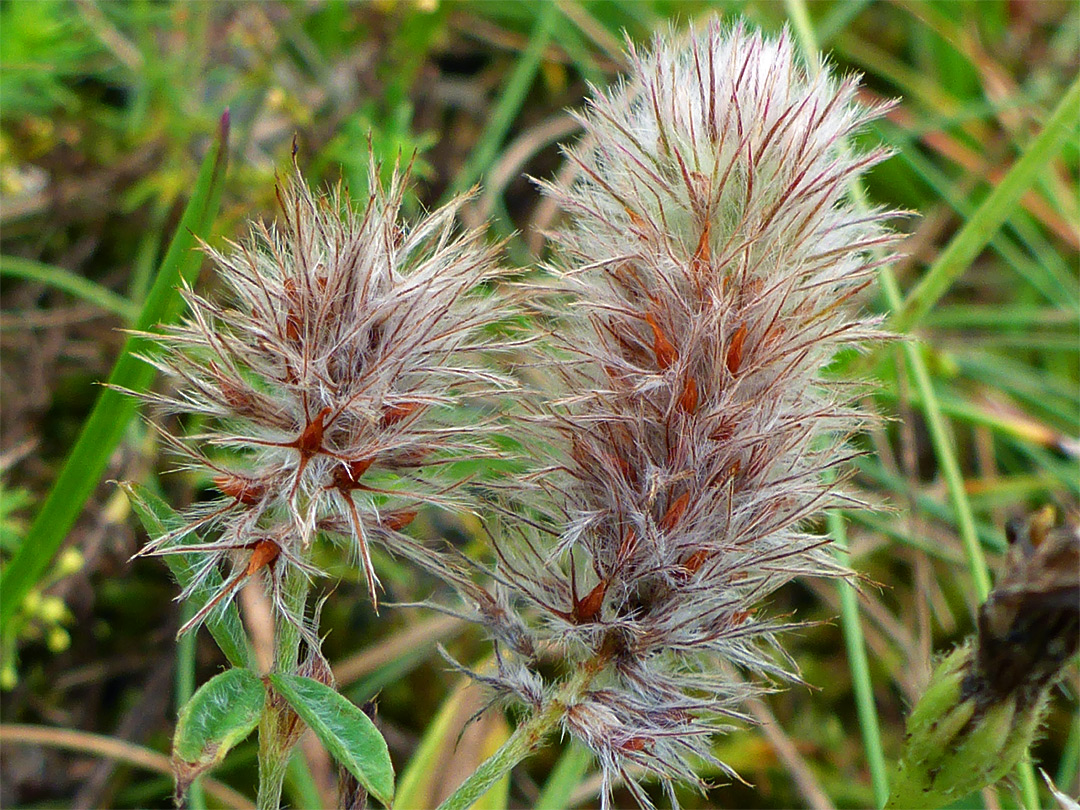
(525, 740)
(279, 727)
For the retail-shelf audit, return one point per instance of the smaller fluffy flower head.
(325, 377)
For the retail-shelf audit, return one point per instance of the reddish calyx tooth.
(396, 521)
(613, 460)
(263, 553)
(347, 475)
(662, 347)
(693, 563)
(688, 400)
(292, 325)
(392, 414)
(244, 490)
(735, 350)
(675, 512)
(588, 608)
(309, 443)
(703, 252)
(724, 432)
(634, 744)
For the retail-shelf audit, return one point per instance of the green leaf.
(348, 733)
(513, 94)
(224, 625)
(222, 713)
(104, 428)
(71, 283)
(565, 777)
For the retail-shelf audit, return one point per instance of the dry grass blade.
(102, 746)
(426, 633)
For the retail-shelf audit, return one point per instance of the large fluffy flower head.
(712, 255)
(328, 375)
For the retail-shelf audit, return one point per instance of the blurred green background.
(106, 109)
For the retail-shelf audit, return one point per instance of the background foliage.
(106, 110)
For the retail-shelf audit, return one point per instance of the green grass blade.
(104, 428)
(994, 210)
(513, 95)
(1070, 759)
(65, 280)
(224, 625)
(299, 782)
(859, 663)
(185, 688)
(565, 777)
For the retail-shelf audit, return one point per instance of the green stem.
(278, 726)
(860, 667)
(273, 762)
(525, 740)
(185, 688)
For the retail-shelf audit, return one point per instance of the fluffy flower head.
(713, 259)
(325, 376)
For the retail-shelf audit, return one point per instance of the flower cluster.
(987, 699)
(327, 381)
(713, 260)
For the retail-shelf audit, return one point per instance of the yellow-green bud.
(58, 640)
(8, 678)
(52, 610)
(32, 603)
(69, 562)
(985, 700)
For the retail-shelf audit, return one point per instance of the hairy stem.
(272, 760)
(279, 727)
(526, 739)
